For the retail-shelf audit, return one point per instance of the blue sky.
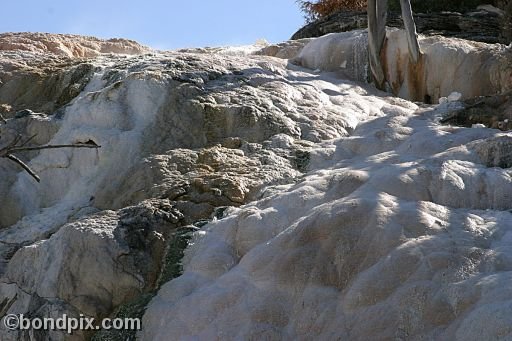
(164, 24)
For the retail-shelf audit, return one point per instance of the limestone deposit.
(255, 195)
(68, 45)
(447, 64)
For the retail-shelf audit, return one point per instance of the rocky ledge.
(487, 24)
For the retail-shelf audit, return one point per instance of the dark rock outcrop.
(483, 26)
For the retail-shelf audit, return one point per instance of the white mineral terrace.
(353, 214)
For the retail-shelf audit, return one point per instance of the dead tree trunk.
(410, 29)
(377, 15)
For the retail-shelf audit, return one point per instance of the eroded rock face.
(40, 82)
(447, 64)
(471, 68)
(90, 266)
(486, 24)
(203, 129)
(68, 45)
(286, 50)
(402, 235)
(43, 72)
(217, 176)
(335, 210)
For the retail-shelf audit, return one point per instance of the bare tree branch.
(28, 140)
(17, 146)
(55, 146)
(24, 166)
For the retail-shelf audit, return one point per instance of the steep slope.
(196, 131)
(404, 235)
(318, 207)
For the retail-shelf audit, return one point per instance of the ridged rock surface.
(317, 207)
(486, 24)
(68, 45)
(446, 65)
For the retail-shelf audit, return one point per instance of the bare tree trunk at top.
(377, 15)
(410, 29)
(376, 36)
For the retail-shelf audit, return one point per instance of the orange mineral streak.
(416, 80)
(445, 66)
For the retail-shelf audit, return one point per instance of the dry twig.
(17, 145)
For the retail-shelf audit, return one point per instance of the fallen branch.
(56, 146)
(17, 146)
(24, 166)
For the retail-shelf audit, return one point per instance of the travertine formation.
(317, 207)
(68, 45)
(447, 65)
